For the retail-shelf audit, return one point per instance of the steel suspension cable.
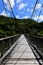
(40, 12)
(37, 1)
(4, 7)
(11, 8)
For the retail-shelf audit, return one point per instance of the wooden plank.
(21, 54)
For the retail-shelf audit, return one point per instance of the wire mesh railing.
(37, 42)
(6, 43)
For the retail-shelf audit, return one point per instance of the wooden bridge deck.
(21, 54)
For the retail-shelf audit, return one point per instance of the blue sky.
(22, 9)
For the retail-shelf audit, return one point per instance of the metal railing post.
(10, 42)
(2, 48)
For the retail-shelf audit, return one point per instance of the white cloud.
(38, 18)
(18, 1)
(35, 17)
(41, 18)
(17, 16)
(31, 10)
(7, 3)
(22, 5)
(25, 17)
(38, 6)
(28, 9)
(4, 13)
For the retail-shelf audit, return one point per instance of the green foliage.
(11, 26)
(40, 33)
(2, 33)
(9, 33)
(33, 32)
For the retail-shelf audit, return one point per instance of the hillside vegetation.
(10, 26)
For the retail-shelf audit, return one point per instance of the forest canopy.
(12, 26)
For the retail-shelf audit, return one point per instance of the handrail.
(35, 52)
(36, 40)
(6, 43)
(9, 42)
(7, 37)
(39, 53)
(35, 36)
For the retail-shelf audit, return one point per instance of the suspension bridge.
(19, 49)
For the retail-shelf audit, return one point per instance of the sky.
(22, 9)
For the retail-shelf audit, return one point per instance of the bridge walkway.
(21, 54)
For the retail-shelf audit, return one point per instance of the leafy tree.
(12, 26)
